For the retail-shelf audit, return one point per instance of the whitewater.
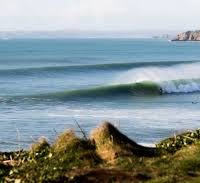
(181, 78)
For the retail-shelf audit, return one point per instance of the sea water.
(148, 88)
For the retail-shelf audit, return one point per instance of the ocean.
(148, 88)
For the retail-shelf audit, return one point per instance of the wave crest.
(183, 78)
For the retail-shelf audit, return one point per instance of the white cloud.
(99, 14)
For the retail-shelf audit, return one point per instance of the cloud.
(98, 14)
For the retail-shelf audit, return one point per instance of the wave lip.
(145, 88)
(123, 90)
(140, 89)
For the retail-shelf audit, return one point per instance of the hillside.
(106, 156)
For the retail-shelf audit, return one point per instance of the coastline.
(106, 155)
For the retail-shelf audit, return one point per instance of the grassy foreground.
(106, 156)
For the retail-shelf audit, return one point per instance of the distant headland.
(188, 36)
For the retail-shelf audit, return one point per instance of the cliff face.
(188, 36)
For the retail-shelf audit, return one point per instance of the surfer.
(160, 91)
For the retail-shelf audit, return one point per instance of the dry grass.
(105, 144)
(64, 140)
(111, 143)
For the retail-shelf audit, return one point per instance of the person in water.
(161, 91)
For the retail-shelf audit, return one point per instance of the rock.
(188, 36)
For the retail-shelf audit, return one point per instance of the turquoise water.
(148, 88)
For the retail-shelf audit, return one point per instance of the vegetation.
(106, 156)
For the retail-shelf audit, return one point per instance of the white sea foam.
(188, 86)
(183, 78)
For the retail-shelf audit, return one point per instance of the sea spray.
(183, 78)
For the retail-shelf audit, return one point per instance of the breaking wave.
(183, 78)
(176, 79)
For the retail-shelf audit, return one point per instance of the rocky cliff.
(188, 36)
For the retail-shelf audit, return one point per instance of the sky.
(103, 15)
